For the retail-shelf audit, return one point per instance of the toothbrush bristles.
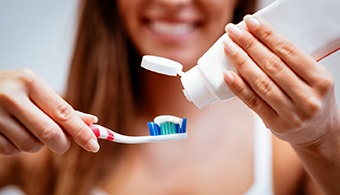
(167, 128)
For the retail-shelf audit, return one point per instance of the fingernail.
(234, 30)
(251, 20)
(93, 145)
(228, 77)
(95, 119)
(230, 46)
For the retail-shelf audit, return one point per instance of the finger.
(249, 97)
(62, 113)
(89, 119)
(39, 124)
(298, 60)
(19, 135)
(255, 77)
(295, 88)
(14, 138)
(7, 147)
(307, 83)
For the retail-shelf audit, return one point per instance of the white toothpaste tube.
(314, 25)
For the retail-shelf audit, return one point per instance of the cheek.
(222, 11)
(219, 14)
(219, 6)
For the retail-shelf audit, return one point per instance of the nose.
(172, 4)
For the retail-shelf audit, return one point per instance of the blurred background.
(38, 34)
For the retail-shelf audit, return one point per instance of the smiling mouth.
(166, 28)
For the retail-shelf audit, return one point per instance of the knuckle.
(325, 84)
(286, 48)
(253, 101)
(273, 65)
(6, 97)
(238, 90)
(266, 35)
(80, 134)
(311, 107)
(249, 43)
(27, 76)
(305, 112)
(241, 63)
(62, 112)
(15, 85)
(263, 85)
(49, 134)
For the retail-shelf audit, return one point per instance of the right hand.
(33, 115)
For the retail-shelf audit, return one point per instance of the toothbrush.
(164, 128)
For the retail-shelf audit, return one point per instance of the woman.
(220, 156)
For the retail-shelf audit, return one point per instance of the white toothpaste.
(167, 118)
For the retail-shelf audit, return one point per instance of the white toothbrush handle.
(107, 134)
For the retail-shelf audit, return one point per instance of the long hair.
(100, 83)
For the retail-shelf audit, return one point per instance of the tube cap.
(162, 65)
(193, 81)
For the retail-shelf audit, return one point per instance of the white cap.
(195, 88)
(193, 81)
(162, 65)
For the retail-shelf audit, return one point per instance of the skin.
(301, 111)
(293, 94)
(152, 26)
(305, 120)
(33, 115)
(186, 48)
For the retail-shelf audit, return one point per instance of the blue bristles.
(183, 128)
(167, 128)
(154, 129)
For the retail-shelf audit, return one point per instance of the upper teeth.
(168, 28)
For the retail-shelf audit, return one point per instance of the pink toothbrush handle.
(102, 132)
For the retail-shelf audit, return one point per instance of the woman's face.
(181, 30)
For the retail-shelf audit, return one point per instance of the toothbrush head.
(167, 125)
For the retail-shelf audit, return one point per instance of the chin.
(186, 62)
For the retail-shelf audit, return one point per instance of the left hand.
(290, 91)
